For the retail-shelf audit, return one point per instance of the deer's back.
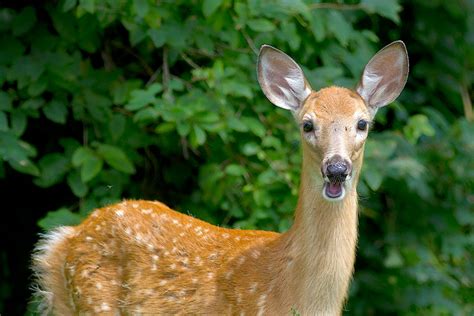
(142, 257)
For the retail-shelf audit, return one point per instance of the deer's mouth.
(334, 190)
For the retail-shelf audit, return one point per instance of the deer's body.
(140, 257)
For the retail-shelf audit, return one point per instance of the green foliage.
(161, 101)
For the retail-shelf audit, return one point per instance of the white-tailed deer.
(140, 257)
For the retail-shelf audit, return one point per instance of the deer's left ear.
(384, 77)
(281, 79)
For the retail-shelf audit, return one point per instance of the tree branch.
(467, 103)
(336, 6)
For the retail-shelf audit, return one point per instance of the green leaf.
(198, 136)
(210, 6)
(393, 259)
(261, 25)
(385, 8)
(318, 25)
(418, 125)
(117, 126)
(183, 128)
(250, 149)
(165, 127)
(18, 122)
(140, 98)
(37, 87)
(80, 155)
(87, 5)
(56, 111)
(5, 101)
(235, 170)
(90, 168)
(25, 166)
(24, 21)
(61, 217)
(116, 158)
(141, 7)
(254, 125)
(3, 122)
(146, 115)
(236, 124)
(53, 167)
(158, 37)
(78, 187)
(339, 27)
(69, 4)
(372, 177)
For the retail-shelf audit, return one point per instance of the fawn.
(141, 257)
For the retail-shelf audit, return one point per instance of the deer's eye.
(308, 126)
(362, 125)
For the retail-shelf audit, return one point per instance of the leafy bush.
(161, 102)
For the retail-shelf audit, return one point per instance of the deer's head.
(334, 122)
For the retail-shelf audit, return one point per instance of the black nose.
(337, 170)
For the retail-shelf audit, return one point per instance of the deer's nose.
(337, 169)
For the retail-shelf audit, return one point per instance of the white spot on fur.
(210, 275)
(173, 266)
(119, 213)
(147, 211)
(181, 234)
(255, 254)
(261, 304)
(89, 300)
(162, 282)
(198, 261)
(134, 205)
(155, 257)
(213, 256)
(225, 235)
(99, 286)
(253, 287)
(237, 238)
(149, 292)
(128, 231)
(241, 260)
(150, 247)
(105, 307)
(194, 280)
(85, 274)
(89, 238)
(97, 228)
(138, 237)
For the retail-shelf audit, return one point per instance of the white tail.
(140, 257)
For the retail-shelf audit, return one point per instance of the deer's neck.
(320, 248)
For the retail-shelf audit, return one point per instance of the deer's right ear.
(281, 79)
